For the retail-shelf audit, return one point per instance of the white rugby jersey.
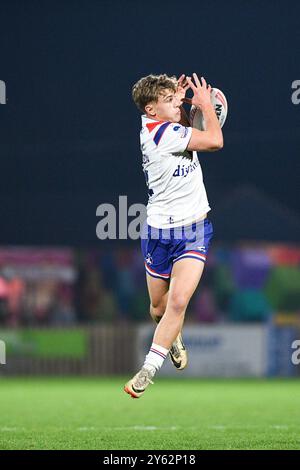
(177, 195)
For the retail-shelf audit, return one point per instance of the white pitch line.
(86, 428)
(129, 428)
(248, 426)
(279, 426)
(11, 429)
(218, 427)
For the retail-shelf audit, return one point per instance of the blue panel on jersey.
(160, 132)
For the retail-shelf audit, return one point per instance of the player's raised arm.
(212, 138)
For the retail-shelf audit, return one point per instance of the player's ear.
(150, 109)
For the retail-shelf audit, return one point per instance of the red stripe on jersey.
(151, 125)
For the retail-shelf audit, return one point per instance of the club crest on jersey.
(182, 131)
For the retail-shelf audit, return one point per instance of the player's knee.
(157, 309)
(178, 303)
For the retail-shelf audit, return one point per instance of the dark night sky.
(69, 130)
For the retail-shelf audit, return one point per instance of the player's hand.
(202, 91)
(182, 87)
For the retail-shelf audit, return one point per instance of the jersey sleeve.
(172, 137)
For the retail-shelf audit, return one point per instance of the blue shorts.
(163, 247)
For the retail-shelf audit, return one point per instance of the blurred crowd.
(240, 283)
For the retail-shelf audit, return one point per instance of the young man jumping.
(176, 238)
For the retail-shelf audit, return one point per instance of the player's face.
(167, 107)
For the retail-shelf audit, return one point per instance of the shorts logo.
(149, 259)
(201, 248)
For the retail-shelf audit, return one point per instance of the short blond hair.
(148, 89)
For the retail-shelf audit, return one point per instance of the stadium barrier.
(98, 350)
(220, 350)
(230, 350)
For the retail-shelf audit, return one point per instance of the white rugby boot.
(178, 353)
(138, 384)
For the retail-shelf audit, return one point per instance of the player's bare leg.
(158, 292)
(185, 277)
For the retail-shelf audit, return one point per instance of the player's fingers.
(197, 81)
(181, 78)
(188, 79)
(204, 84)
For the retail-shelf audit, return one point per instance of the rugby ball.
(219, 102)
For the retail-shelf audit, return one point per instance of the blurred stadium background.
(85, 311)
(72, 305)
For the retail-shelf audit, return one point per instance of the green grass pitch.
(95, 413)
